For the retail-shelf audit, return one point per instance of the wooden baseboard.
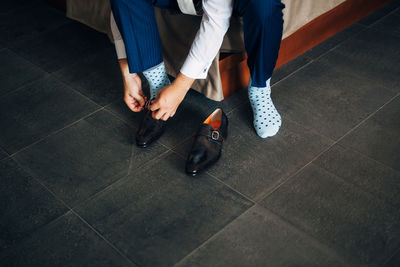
(234, 72)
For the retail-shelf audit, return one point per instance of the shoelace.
(147, 104)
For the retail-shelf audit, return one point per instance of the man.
(139, 51)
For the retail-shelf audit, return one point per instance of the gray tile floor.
(76, 191)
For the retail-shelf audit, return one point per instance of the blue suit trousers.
(262, 27)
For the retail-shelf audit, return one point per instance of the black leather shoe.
(149, 131)
(207, 146)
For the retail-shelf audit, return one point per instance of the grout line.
(315, 242)
(382, 18)
(149, 162)
(74, 90)
(19, 88)
(205, 242)
(118, 181)
(230, 187)
(391, 257)
(284, 180)
(221, 182)
(32, 174)
(57, 131)
(319, 244)
(106, 240)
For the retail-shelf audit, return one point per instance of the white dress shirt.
(208, 40)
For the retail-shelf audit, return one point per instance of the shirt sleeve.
(208, 40)
(118, 41)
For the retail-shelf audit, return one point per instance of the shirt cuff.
(195, 69)
(120, 49)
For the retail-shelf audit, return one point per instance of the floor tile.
(83, 159)
(38, 109)
(64, 242)
(389, 24)
(394, 261)
(290, 67)
(25, 205)
(372, 55)
(380, 13)
(98, 77)
(331, 101)
(12, 6)
(16, 71)
(254, 166)
(357, 225)
(29, 21)
(258, 238)
(158, 214)
(364, 172)
(330, 43)
(120, 109)
(3, 154)
(379, 137)
(62, 47)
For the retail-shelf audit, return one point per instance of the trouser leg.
(136, 22)
(262, 27)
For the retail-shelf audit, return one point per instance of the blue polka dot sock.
(267, 120)
(157, 78)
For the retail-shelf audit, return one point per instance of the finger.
(129, 103)
(165, 117)
(155, 105)
(158, 114)
(132, 104)
(172, 114)
(140, 99)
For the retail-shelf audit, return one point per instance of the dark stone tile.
(15, 71)
(83, 159)
(25, 205)
(38, 109)
(324, 98)
(259, 238)
(372, 55)
(97, 76)
(253, 165)
(12, 6)
(380, 13)
(389, 24)
(394, 261)
(357, 225)
(29, 21)
(120, 109)
(158, 214)
(290, 67)
(3, 154)
(379, 137)
(61, 47)
(65, 242)
(363, 172)
(330, 43)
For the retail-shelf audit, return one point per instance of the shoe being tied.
(150, 130)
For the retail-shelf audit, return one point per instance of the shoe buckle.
(215, 135)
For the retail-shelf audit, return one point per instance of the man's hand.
(170, 97)
(133, 94)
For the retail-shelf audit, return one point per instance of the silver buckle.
(215, 135)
